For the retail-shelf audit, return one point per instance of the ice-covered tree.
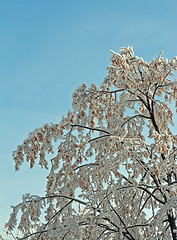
(114, 175)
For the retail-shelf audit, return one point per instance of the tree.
(114, 175)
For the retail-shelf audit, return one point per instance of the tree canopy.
(114, 175)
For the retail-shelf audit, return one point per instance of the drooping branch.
(35, 233)
(96, 138)
(90, 128)
(138, 115)
(86, 165)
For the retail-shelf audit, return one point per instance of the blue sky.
(47, 49)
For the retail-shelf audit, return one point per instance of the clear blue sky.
(47, 49)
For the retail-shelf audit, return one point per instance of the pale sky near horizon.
(47, 49)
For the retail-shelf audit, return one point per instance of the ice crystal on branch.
(114, 173)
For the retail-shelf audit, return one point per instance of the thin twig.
(96, 138)
(138, 115)
(121, 220)
(90, 128)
